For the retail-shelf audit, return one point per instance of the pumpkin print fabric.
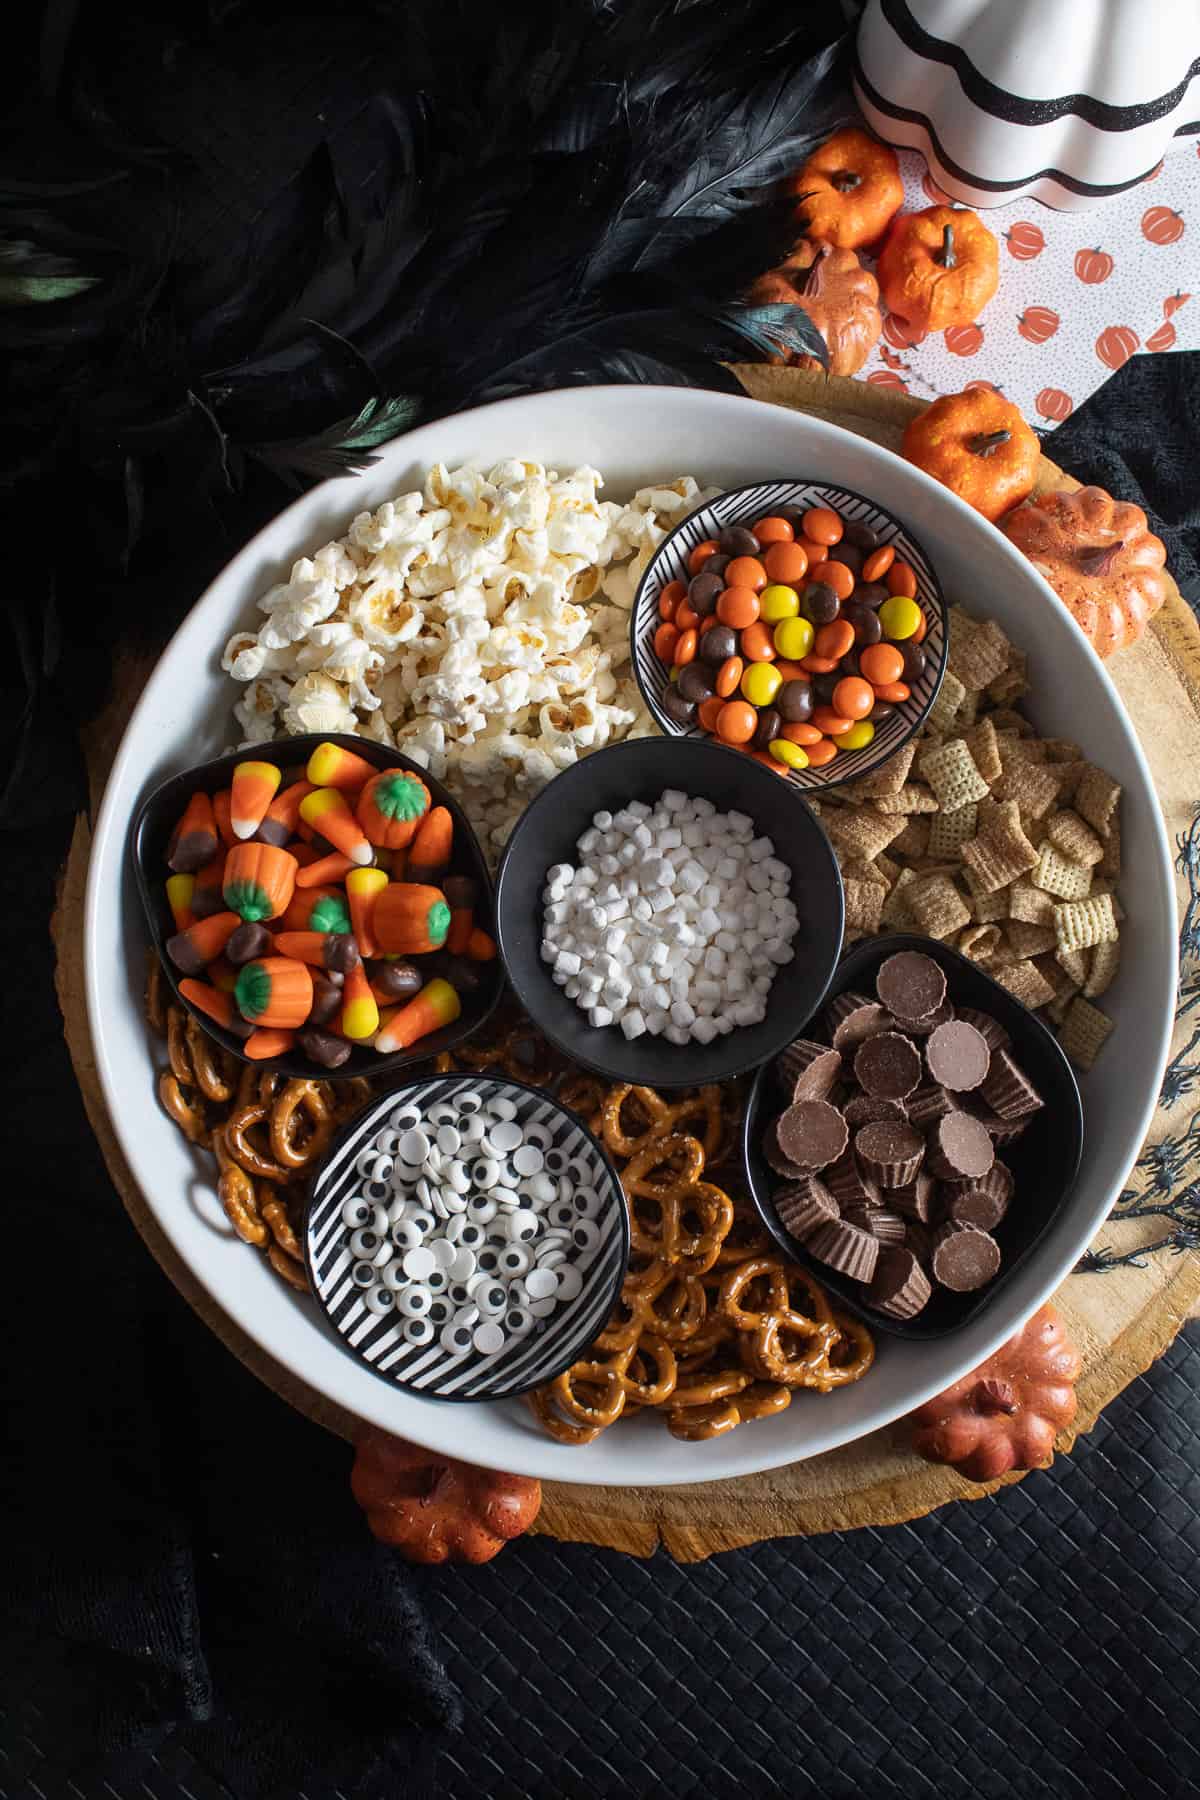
(1079, 294)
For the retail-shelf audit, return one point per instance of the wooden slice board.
(1122, 1321)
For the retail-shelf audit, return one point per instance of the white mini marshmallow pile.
(673, 923)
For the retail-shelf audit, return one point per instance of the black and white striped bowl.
(428, 1370)
(741, 506)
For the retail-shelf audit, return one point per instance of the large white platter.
(634, 435)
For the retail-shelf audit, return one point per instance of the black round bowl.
(1044, 1159)
(156, 819)
(642, 770)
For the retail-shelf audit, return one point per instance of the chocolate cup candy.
(846, 1248)
(910, 985)
(807, 1070)
(917, 1199)
(890, 1153)
(864, 1109)
(887, 1066)
(811, 1134)
(963, 1258)
(852, 1018)
(957, 1055)
(960, 1148)
(1007, 1090)
(900, 1286)
(805, 1206)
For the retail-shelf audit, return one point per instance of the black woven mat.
(1042, 1643)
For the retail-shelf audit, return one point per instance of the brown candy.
(248, 943)
(398, 980)
(890, 1152)
(809, 1071)
(811, 1134)
(917, 1200)
(852, 1018)
(846, 1248)
(888, 1227)
(963, 1258)
(326, 1002)
(887, 1066)
(1007, 1090)
(324, 1048)
(986, 1026)
(849, 1185)
(982, 1203)
(774, 1155)
(929, 1104)
(941, 1015)
(957, 1055)
(959, 1148)
(910, 985)
(864, 1109)
(804, 1206)
(900, 1287)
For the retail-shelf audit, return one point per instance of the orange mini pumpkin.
(849, 190)
(258, 881)
(410, 917)
(435, 1509)
(978, 445)
(1100, 557)
(839, 296)
(1007, 1413)
(390, 808)
(939, 268)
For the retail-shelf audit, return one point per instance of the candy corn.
(409, 918)
(252, 790)
(391, 806)
(481, 947)
(214, 1005)
(202, 943)
(363, 888)
(261, 1044)
(328, 813)
(276, 991)
(283, 814)
(206, 895)
(180, 889)
(317, 909)
(194, 840)
(222, 974)
(460, 892)
(360, 1009)
(259, 881)
(331, 766)
(436, 1005)
(323, 870)
(429, 852)
(319, 949)
(224, 822)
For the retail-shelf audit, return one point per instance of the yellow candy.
(794, 637)
(900, 617)
(761, 682)
(858, 736)
(674, 675)
(784, 751)
(778, 602)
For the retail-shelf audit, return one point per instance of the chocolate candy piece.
(811, 1134)
(322, 1047)
(462, 974)
(248, 943)
(987, 1027)
(704, 590)
(957, 1056)
(963, 1258)
(941, 1015)
(794, 702)
(1007, 1091)
(852, 1018)
(804, 1206)
(910, 985)
(864, 1109)
(823, 686)
(867, 629)
(917, 1200)
(695, 683)
(882, 709)
(959, 1148)
(341, 952)
(929, 1104)
(849, 554)
(973, 1206)
(769, 727)
(819, 604)
(900, 1287)
(736, 540)
(860, 534)
(885, 1226)
(460, 891)
(890, 1152)
(871, 593)
(773, 1152)
(398, 980)
(844, 1247)
(675, 706)
(718, 645)
(807, 1070)
(326, 1000)
(914, 662)
(887, 1066)
(850, 1186)
(717, 563)
(794, 516)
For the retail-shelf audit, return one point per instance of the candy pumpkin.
(259, 881)
(1099, 556)
(409, 918)
(938, 268)
(849, 190)
(435, 1509)
(839, 296)
(391, 806)
(1008, 1412)
(978, 445)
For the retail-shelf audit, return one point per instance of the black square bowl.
(641, 770)
(156, 818)
(1044, 1159)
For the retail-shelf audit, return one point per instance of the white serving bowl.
(634, 435)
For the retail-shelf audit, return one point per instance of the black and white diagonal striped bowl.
(428, 1370)
(741, 506)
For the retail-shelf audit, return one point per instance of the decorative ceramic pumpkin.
(939, 267)
(1099, 556)
(434, 1509)
(978, 446)
(848, 190)
(1008, 1412)
(839, 296)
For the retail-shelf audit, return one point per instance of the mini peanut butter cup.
(910, 985)
(919, 1239)
(849, 1184)
(774, 1155)
(957, 1056)
(917, 1200)
(804, 1206)
(986, 1026)
(890, 1152)
(811, 1134)
(941, 1015)
(900, 1287)
(852, 1018)
(959, 1148)
(1001, 1131)
(864, 1109)
(808, 1071)
(929, 1104)
(964, 1258)
(973, 1206)
(885, 1225)
(844, 1247)
(1007, 1090)
(887, 1066)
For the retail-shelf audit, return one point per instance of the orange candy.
(817, 665)
(738, 605)
(789, 671)
(685, 649)
(895, 691)
(708, 709)
(773, 531)
(800, 734)
(902, 580)
(758, 645)
(853, 697)
(665, 640)
(831, 723)
(821, 752)
(737, 722)
(669, 599)
(768, 762)
(701, 554)
(786, 563)
(686, 617)
(707, 624)
(823, 525)
(879, 562)
(837, 575)
(834, 640)
(881, 663)
(746, 572)
(728, 676)
(918, 636)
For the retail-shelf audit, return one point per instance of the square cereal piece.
(1075, 964)
(1106, 959)
(895, 912)
(863, 831)
(951, 695)
(1056, 1009)
(1106, 887)
(1007, 718)
(949, 830)
(913, 840)
(1025, 939)
(968, 711)
(1084, 1032)
(1082, 923)
(1097, 797)
(911, 798)
(1012, 683)
(855, 869)
(1049, 967)
(1062, 750)
(1038, 791)
(936, 906)
(1077, 841)
(987, 909)
(887, 868)
(889, 778)
(1024, 983)
(1020, 746)
(1032, 904)
(998, 854)
(978, 941)
(1069, 880)
(980, 656)
(951, 773)
(985, 752)
(1109, 866)
(864, 904)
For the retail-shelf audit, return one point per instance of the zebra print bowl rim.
(378, 1343)
(739, 506)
